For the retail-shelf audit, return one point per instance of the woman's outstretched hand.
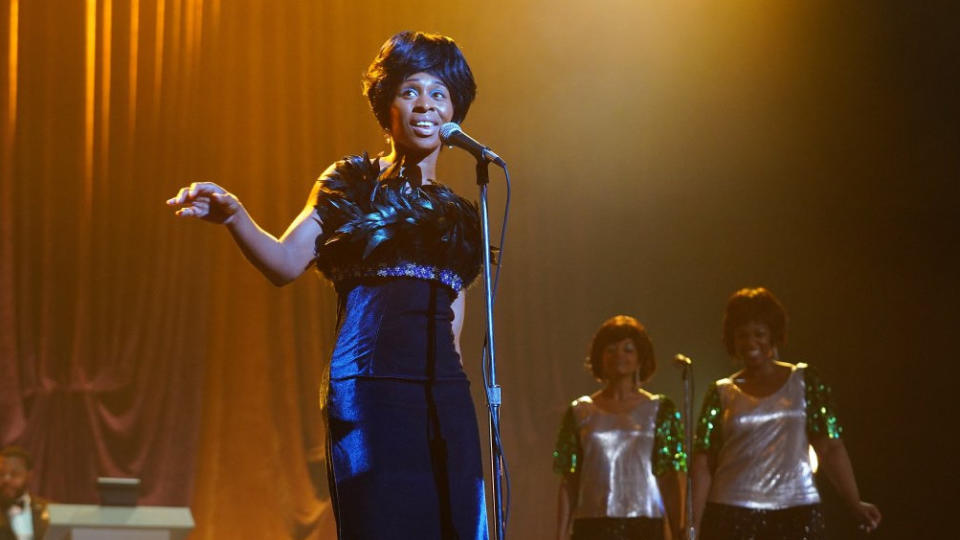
(206, 201)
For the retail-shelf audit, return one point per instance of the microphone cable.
(495, 433)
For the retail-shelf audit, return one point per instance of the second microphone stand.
(686, 370)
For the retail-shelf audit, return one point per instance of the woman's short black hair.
(407, 53)
(754, 305)
(617, 329)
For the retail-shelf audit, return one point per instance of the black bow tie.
(19, 503)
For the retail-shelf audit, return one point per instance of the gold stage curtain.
(136, 344)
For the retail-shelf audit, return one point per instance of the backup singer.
(751, 465)
(403, 447)
(620, 451)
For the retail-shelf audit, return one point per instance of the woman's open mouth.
(424, 128)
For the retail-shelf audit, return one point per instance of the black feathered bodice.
(381, 225)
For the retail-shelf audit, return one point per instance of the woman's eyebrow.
(425, 82)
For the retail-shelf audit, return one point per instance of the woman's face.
(620, 358)
(421, 105)
(753, 344)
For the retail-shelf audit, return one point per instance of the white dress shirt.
(21, 519)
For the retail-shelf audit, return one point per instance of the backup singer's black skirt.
(609, 528)
(725, 522)
(403, 444)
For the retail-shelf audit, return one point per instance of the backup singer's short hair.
(617, 329)
(754, 305)
(407, 53)
(17, 452)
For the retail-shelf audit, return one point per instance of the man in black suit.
(22, 516)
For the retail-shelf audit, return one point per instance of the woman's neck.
(760, 372)
(427, 163)
(620, 389)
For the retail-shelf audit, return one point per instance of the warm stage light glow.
(12, 71)
(158, 54)
(105, 74)
(814, 462)
(90, 69)
(193, 21)
(132, 75)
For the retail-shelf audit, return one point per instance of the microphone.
(451, 134)
(682, 361)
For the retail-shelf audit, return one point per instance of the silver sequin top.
(764, 461)
(616, 474)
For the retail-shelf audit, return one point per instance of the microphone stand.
(686, 367)
(493, 390)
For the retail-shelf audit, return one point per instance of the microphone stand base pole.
(688, 440)
(493, 390)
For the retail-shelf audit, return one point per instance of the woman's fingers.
(206, 201)
(204, 188)
(875, 516)
(180, 198)
(194, 190)
(191, 211)
(870, 517)
(199, 207)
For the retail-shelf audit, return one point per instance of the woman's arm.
(669, 463)
(835, 463)
(700, 469)
(671, 484)
(566, 462)
(566, 502)
(459, 303)
(280, 260)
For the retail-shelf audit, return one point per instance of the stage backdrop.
(664, 154)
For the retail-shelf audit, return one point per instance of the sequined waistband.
(410, 270)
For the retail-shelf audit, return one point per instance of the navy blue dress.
(403, 445)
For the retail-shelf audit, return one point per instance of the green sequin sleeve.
(709, 434)
(668, 451)
(822, 418)
(567, 450)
